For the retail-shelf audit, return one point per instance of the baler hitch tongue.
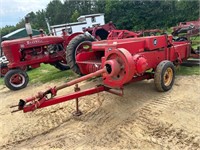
(36, 100)
(32, 103)
(20, 106)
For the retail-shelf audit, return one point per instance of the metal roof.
(68, 24)
(91, 15)
(19, 33)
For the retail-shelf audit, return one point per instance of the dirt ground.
(142, 119)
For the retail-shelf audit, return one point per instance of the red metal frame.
(121, 34)
(44, 102)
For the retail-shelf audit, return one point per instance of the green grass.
(182, 70)
(1, 81)
(47, 73)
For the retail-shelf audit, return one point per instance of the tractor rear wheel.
(79, 44)
(16, 79)
(164, 76)
(61, 65)
(180, 39)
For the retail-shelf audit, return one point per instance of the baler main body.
(134, 55)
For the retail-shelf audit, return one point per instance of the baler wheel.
(79, 44)
(164, 76)
(16, 79)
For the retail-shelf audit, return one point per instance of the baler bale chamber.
(119, 62)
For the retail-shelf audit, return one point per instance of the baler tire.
(59, 65)
(71, 50)
(164, 71)
(21, 74)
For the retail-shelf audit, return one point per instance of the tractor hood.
(34, 42)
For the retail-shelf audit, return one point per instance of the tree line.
(125, 14)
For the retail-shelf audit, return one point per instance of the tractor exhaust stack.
(28, 27)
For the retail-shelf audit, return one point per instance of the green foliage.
(7, 29)
(74, 16)
(126, 14)
(54, 12)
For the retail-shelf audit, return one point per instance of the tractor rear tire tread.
(71, 50)
(159, 74)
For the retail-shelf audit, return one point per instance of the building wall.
(75, 28)
(90, 22)
(97, 20)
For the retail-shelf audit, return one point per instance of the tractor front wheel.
(79, 44)
(164, 76)
(16, 79)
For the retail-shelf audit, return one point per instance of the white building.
(84, 21)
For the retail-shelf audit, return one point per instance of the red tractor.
(34, 50)
(118, 62)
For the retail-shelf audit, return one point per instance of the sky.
(12, 11)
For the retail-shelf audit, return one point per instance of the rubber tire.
(71, 50)
(159, 75)
(9, 75)
(3, 65)
(60, 66)
(180, 39)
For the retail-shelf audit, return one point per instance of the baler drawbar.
(119, 62)
(42, 100)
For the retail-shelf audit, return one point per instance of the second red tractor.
(34, 50)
